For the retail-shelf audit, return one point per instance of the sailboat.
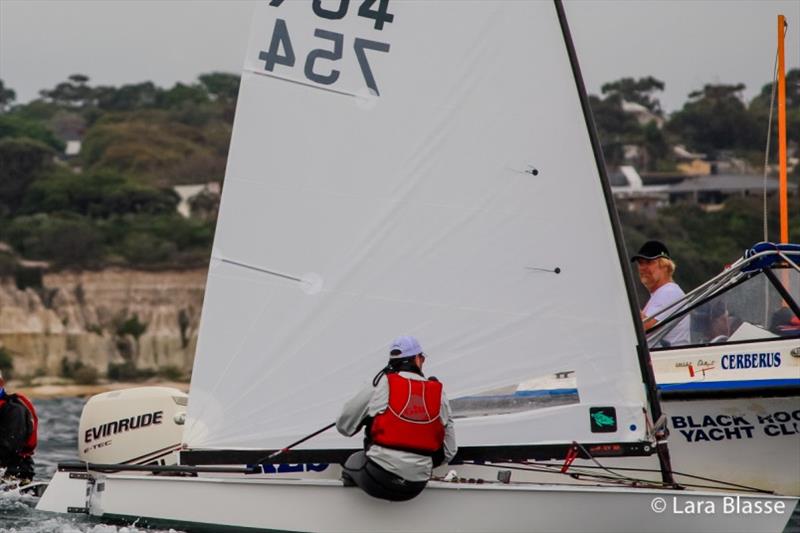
(402, 168)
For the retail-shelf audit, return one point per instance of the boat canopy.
(782, 253)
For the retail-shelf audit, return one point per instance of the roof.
(727, 182)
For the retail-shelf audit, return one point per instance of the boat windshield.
(750, 310)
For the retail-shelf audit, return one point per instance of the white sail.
(430, 175)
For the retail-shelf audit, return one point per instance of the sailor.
(656, 269)
(18, 436)
(407, 423)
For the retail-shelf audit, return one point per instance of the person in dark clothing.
(18, 436)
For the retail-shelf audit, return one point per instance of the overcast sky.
(683, 43)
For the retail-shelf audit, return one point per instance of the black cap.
(652, 250)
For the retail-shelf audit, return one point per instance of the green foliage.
(152, 240)
(639, 91)
(715, 118)
(7, 96)
(146, 249)
(68, 240)
(6, 363)
(28, 277)
(8, 264)
(128, 97)
(183, 95)
(96, 195)
(703, 242)
(183, 324)
(78, 372)
(73, 93)
(221, 86)
(759, 108)
(165, 147)
(127, 371)
(17, 126)
(616, 128)
(131, 326)
(21, 161)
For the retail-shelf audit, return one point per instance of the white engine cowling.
(143, 425)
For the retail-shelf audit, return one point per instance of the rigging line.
(549, 468)
(654, 470)
(595, 461)
(257, 269)
(769, 137)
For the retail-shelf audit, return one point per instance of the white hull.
(325, 506)
(757, 451)
(725, 431)
(748, 441)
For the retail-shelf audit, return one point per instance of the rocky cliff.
(141, 320)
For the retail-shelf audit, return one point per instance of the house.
(642, 114)
(714, 189)
(188, 192)
(631, 194)
(73, 148)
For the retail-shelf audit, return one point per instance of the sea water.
(58, 441)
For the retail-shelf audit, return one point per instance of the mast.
(645, 363)
(784, 208)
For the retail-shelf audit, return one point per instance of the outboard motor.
(140, 426)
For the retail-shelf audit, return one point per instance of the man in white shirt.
(655, 272)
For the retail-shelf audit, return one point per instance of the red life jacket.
(30, 442)
(411, 420)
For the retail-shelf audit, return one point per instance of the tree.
(7, 97)
(96, 195)
(614, 127)
(640, 91)
(65, 239)
(760, 106)
(182, 95)
(221, 86)
(715, 118)
(14, 125)
(75, 92)
(154, 146)
(128, 97)
(21, 162)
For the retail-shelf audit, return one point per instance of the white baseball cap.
(407, 346)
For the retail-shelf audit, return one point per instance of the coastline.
(65, 390)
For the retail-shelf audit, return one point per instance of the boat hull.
(240, 503)
(738, 440)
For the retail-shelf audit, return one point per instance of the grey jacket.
(371, 401)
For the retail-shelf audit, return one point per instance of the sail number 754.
(281, 52)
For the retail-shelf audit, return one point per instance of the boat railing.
(704, 292)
